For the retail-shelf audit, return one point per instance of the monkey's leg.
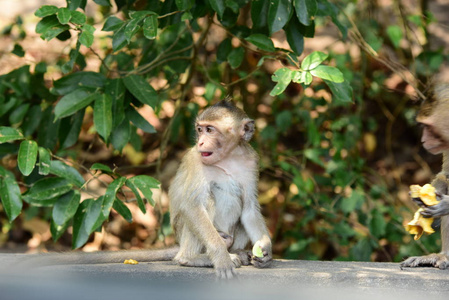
(241, 240)
(436, 260)
(190, 255)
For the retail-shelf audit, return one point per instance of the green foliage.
(312, 130)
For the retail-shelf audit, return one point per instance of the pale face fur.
(216, 139)
(433, 117)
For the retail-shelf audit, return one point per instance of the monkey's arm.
(197, 220)
(256, 228)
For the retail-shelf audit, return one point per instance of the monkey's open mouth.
(203, 154)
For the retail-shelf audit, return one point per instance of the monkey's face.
(214, 141)
(434, 117)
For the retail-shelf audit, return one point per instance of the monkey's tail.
(100, 257)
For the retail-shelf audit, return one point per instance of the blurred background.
(334, 175)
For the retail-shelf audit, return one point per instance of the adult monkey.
(213, 197)
(433, 116)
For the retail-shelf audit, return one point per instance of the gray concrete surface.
(286, 279)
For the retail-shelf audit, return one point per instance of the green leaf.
(49, 27)
(46, 10)
(66, 207)
(101, 167)
(18, 114)
(26, 159)
(314, 156)
(328, 73)
(32, 120)
(223, 50)
(74, 4)
(123, 210)
(259, 14)
(185, 4)
(144, 183)
(10, 194)
(135, 190)
(279, 13)
(218, 6)
(87, 35)
(18, 50)
(377, 224)
(63, 170)
(119, 39)
(342, 92)
(150, 25)
(262, 42)
(141, 89)
(312, 60)
(8, 134)
(78, 17)
(46, 24)
(103, 2)
(121, 135)
(103, 116)
(73, 102)
(236, 56)
(305, 10)
(48, 129)
(302, 77)
(350, 203)
(44, 161)
(78, 80)
(64, 15)
(70, 136)
(139, 121)
(110, 195)
(46, 189)
(395, 34)
(87, 218)
(115, 88)
(57, 231)
(284, 120)
(112, 24)
(132, 27)
(294, 37)
(283, 77)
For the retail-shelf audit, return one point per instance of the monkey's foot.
(435, 260)
(198, 261)
(236, 260)
(245, 256)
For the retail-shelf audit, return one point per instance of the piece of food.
(257, 250)
(427, 195)
(131, 262)
(419, 225)
(414, 190)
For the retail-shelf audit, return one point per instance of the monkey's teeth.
(206, 153)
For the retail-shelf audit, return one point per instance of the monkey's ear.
(247, 129)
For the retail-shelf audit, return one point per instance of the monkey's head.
(220, 128)
(434, 117)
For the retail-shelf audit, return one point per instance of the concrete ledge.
(289, 278)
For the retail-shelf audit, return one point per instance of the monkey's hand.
(225, 268)
(437, 210)
(265, 261)
(433, 260)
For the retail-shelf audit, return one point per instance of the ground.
(165, 280)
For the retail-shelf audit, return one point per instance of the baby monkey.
(213, 198)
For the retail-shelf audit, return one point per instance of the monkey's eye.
(199, 129)
(209, 129)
